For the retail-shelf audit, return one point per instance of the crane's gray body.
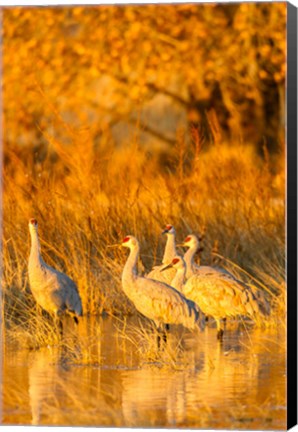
(54, 291)
(156, 300)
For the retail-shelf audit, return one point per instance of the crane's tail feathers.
(259, 305)
(196, 316)
(262, 300)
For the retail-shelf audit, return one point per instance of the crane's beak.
(166, 267)
(114, 245)
(164, 232)
(180, 245)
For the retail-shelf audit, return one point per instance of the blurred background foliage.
(163, 68)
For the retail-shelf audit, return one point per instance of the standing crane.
(54, 291)
(216, 294)
(169, 254)
(179, 279)
(193, 245)
(154, 299)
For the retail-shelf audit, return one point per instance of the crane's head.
(177, 263)
(169, 229)
(33, 224)
(130, 242)
(191, 241)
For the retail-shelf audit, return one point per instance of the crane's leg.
(158, 340)
(58, 323)
(220, 331)
(74, 316)
(224, 320)
(162, 334)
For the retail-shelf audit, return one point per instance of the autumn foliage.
(111, 66)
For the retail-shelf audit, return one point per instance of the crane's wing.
(163, 276)
(212, 271)
(220, 295)
(163, 303)
(72, 297)
(65, 289)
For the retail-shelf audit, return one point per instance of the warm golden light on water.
(104, 380)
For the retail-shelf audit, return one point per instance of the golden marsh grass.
(88, 197)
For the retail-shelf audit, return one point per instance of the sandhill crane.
(216, 294)
(179, 279)
(54, 291)
(169, 254)
(193, 245)
(156, 300)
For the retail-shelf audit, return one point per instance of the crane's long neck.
(189, 260)
(130, 268)
(35, 255)
(170, 249)
(179, 279)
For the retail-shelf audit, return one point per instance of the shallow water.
(106, 373)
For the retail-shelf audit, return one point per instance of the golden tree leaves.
(236, 52)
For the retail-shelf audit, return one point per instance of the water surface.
(108, 374)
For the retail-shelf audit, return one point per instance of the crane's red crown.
(188, 238)
(33, 222)
(169, 227)
(126, 239)
(175, 260)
